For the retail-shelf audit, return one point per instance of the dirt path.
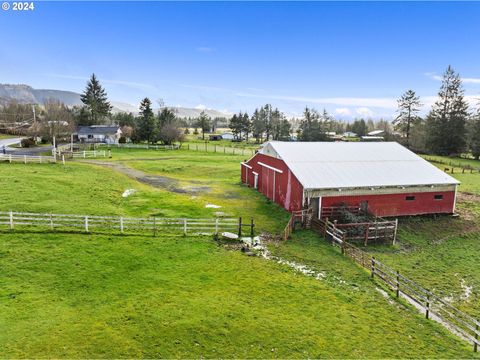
(161, 182)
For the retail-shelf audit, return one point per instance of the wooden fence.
(434, 307)
(141, 146)
(88, 154)
(27, 158)
(366, 232)
(464, 168)
(333, 212)
(303, 216)
(123, 225)
(221, 149)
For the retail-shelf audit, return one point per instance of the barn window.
(409, 197)
(438, 197)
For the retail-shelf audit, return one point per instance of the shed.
(384, 176)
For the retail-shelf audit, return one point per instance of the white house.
(228, 136)
(108, 134)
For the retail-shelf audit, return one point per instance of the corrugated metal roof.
(334, 165)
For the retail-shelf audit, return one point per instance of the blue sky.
(354, 59)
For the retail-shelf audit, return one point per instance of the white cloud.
(364, 111)
(201, 107)
(434, 76)
(343, 112)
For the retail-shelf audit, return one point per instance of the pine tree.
(446, 122)
(408, 107)
(203, 122)
(311, 128)
(475, 136)
(95, 98)
(146, 124)
(258, 126)
(235, 125)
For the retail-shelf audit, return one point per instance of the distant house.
(372, 138)
(228, 136)
(107, 134)
(376, 133)
(349, 134)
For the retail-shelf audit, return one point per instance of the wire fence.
(206, 147)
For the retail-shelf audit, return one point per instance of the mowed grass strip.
(71, 296)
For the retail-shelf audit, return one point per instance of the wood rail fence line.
(455, 320)
(123, 225)
(141, 146)
(221, 149)
(27, 158)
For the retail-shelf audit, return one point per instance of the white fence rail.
(88, 154)
(93, 223)
(221, 149)
(27, 158)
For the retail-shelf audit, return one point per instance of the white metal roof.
(335, 165)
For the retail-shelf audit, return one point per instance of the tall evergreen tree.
(236, 125)
(446, 122)
(475, 135)
(203, 122)
(146, 124)
(408, 108)
(258, 126)
(311, 128)
(95, 98)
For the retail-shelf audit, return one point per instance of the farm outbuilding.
(383, 177)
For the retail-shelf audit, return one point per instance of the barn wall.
(397, 205)
(288, 190)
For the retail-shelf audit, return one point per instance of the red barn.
(385, 176)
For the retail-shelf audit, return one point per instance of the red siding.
(397, 205)
(288, 190)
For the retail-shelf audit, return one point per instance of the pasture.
(77, 295)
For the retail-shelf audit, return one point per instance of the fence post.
(373, 266)
(185, 226)
(344, 236)
(121, 224)
(325, 228)
(216, 226)
(206, 150)
(154, 227)
(240, 226)
(475, 345)
(109, 153)
(252, 226)
(398, 284)
(367, 230)
(427, 308)
(63, 159)
(10, 158)
(25, 159)
(395, 232)
(84, 154)
(94, 153)
(51, 221)
(86, 223)
(11, 220)
(215, 148)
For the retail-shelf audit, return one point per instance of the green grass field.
(97, 296)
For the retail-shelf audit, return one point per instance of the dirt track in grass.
(161, 182)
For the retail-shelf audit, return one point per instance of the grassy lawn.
(443, 254)
(70, 296)
(74, 295)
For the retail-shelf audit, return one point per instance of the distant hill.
(25, 94)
